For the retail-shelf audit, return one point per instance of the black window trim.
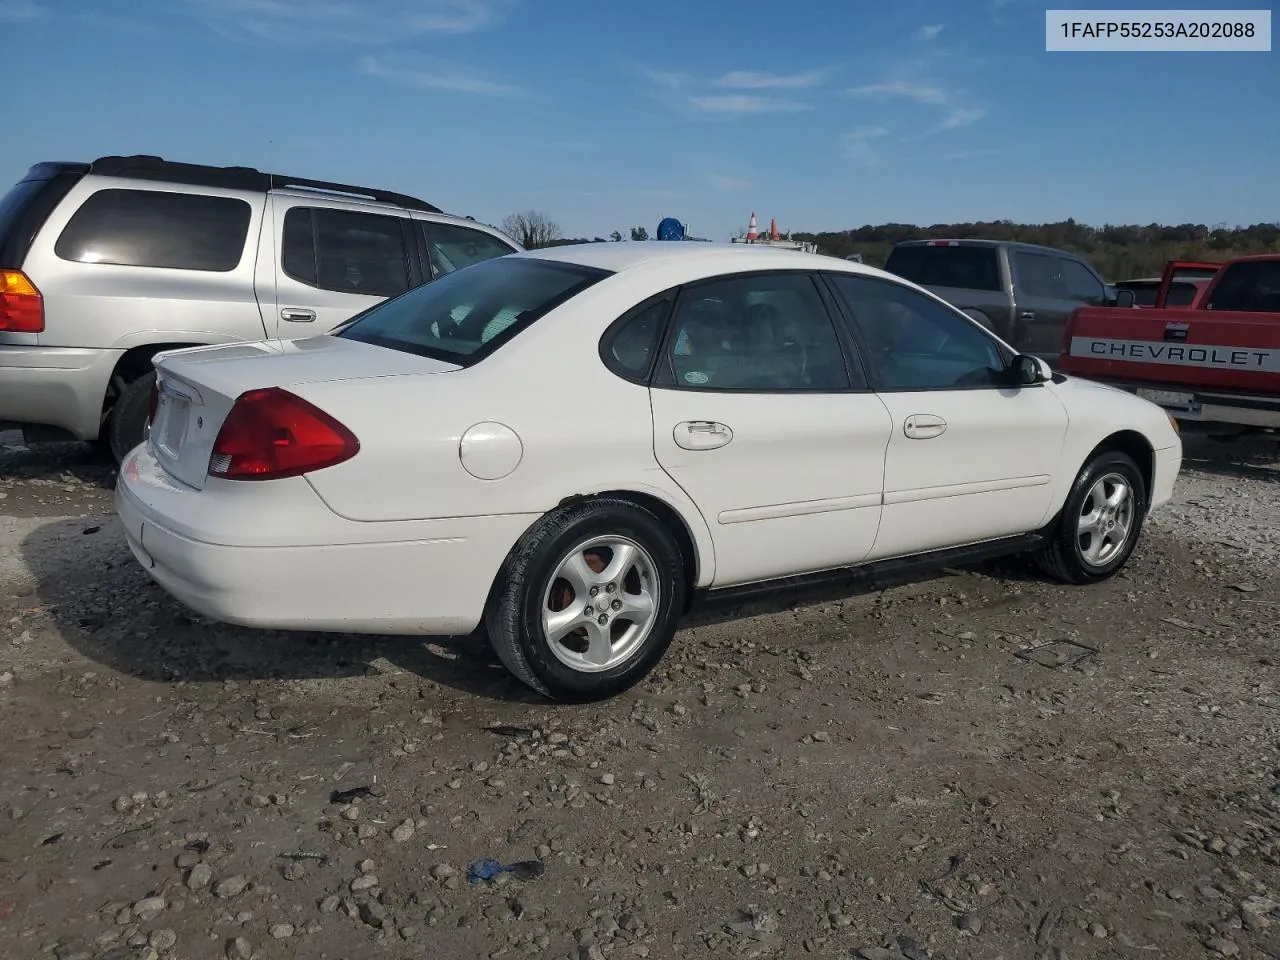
(864, 347)
(611, 334)
(425, 248)
(247, 243)
(412, 268)
(663, 376)
(590, 276)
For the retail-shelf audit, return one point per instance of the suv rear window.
(969, 268)
(153, 228)
(464, 316)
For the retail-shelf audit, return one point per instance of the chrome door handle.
(1027, 315)
(701, 435)
(924, 426)
(296, 315)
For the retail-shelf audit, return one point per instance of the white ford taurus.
(569, 446)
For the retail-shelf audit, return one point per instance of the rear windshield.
(1252, 287)
(1144, 291)
(969, 268)
(464, 316)
(14, 221)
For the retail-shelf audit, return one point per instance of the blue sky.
(607, 114)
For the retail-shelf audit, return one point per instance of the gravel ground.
(980, 764)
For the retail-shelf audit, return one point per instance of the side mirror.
(1029, 370)
(1126, 298)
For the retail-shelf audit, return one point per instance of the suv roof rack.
(143, 167)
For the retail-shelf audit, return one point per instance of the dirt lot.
(888, 775)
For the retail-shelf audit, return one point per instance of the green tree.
(639, 233)
(616, 236)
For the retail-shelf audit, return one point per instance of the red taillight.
(21, 305)
(271, 433)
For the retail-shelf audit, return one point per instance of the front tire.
(588, 601)
(1100, 521)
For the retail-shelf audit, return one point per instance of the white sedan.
(570, 446)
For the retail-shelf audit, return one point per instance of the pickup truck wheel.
(1100, 521)
(129, 417)
(588, 601)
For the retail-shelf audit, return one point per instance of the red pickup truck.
(1215, 361)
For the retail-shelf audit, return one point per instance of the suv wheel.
(588, 601)
(128, 418)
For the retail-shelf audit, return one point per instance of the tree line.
(1118, 252)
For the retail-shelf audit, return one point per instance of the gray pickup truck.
(1022, 292)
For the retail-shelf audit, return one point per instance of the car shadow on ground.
(1254, 456)
(107, 609)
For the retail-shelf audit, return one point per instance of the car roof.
(629, 254)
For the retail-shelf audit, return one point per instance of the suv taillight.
(271, 433)
(21, 306)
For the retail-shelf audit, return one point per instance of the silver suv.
(104, 264)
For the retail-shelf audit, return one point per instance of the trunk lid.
(198, 387)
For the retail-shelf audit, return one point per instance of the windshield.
(464, 316)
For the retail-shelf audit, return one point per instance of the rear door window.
(345, 251)
(450, 247)
(155, 228)
(968, 268)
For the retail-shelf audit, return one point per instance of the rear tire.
(588, 601)
(1100, 522)
(128, 419)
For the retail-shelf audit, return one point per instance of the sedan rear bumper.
(418, 578)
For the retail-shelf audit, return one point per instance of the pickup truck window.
(917, 343)
(1251, 286)
(1080, 282)
(1038, 275)
(968, 268)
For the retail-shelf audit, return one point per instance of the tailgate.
(1198, 348)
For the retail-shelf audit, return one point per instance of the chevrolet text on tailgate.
(1215, 361)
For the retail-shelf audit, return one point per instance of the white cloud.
(344, 21)
(919, 92)
(930, 31)
(857, 143)
(720, 182)
(751, 80)
(740, 103)
(435, 76)
(19, 11)
(961, 117)
(958, 113)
